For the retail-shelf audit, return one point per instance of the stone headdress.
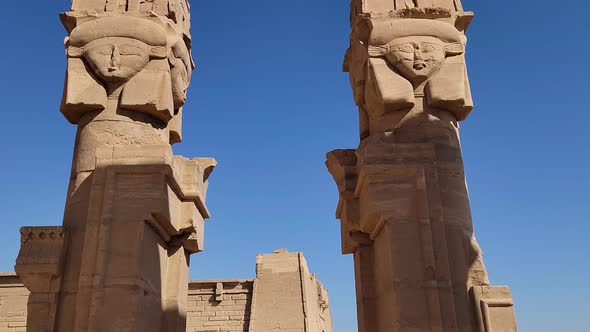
(377, 82)
(159, 89)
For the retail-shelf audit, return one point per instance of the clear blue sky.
(268, 100)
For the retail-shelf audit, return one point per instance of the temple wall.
(13, 303)
(204, 313)
(214, 308)
(282, 285)
(278, 294)
(317, 310)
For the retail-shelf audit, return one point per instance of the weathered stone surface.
(14, 297)
(39, 265)
(495, 309)
(212, 310)
(287, 297)
(404, 206)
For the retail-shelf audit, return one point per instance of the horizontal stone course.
(13, 303)
(232, 313)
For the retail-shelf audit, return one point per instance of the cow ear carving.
(452, 49)
(75, 52)
(378, 51)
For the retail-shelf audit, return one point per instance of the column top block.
(172, 13)
(384, 6)
(450, 11)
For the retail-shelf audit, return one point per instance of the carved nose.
(419, 62)
(115, 59)
(418, 55)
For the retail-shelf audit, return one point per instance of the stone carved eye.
(106, 51)
(406, 48)
(129, 50)
(428, 48)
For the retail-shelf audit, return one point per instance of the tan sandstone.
(284, 296)
(134, 212)
(404, 206)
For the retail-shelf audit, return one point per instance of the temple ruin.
(135, 212)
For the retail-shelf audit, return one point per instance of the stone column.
(39, 265)
(404, 205)
(134, 211)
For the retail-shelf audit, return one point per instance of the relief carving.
(397, 62)
(140, 59)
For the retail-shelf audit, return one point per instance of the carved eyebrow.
(128, 48)
(437, 46)
(403, 44)
(400, 47)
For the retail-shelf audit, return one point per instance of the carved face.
(417, 58)
(117, 59)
